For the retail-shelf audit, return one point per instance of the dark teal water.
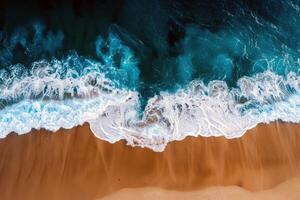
(173, 42)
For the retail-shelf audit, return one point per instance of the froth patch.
(203, 110)
(197, 110)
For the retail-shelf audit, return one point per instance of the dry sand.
(74, 164)
(289, 190)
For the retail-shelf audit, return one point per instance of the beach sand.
(74, 164)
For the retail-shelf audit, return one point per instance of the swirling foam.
(204, 110)
(114, 113)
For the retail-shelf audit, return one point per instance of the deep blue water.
(149, 71)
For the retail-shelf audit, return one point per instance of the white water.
(113, 114)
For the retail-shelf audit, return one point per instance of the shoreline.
(74, 164)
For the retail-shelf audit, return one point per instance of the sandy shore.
(74, 164)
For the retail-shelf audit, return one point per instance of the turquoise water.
(152, 72)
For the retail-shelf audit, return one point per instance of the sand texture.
(74, 164)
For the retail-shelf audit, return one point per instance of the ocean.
(149, 72)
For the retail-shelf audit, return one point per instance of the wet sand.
(74, 164)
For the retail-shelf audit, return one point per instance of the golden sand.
(74, 164)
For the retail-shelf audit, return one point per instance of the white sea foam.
(54, 96)
(206, 110)
(113, 114)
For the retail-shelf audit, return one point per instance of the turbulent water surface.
(149, 72)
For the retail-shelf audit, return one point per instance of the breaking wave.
(114, 113)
